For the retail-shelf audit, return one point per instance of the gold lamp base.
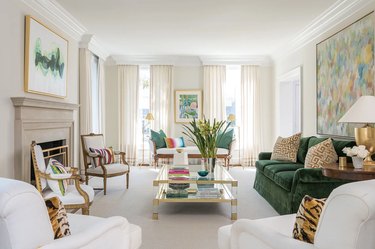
(366, 136)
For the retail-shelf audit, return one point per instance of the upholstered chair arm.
(264, 155)
(245, 233)
(95, 236)
(152, 147)
(231, 144)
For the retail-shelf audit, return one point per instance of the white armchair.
(347, 222)
(24, 224)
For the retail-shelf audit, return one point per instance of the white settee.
(347, 222)
(192, 151)
(25, 224)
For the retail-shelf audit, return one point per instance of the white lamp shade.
(362, 112)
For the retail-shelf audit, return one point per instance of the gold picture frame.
(46, 60)
(188, 105)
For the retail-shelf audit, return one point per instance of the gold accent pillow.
(320, 154)
(307, 218)
(58, 217)
(285, 149)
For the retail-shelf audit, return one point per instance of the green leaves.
(205, 135)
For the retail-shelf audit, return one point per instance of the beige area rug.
(180, 225)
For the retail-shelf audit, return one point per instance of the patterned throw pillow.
(285, 149)
(320, 154)
(106, 153)
(58, 217)
(56, 170)
(307, 218)
(174, 142)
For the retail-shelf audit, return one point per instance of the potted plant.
(205, 135)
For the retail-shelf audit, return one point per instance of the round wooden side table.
(349, 172)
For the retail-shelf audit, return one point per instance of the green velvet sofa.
(284, 184)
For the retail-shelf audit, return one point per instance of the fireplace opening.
(49, 145)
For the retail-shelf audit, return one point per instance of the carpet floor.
(180, 225)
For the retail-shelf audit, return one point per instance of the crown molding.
(156, 60)
(91, 43)
(340, 11)
(260, 60)
(56, 14)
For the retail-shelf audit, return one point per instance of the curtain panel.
(213, 96)
(250, 126)
(85, 98)
(128, 80)
(161, 94)
(102, 120)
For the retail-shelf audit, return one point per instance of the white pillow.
(57, 171)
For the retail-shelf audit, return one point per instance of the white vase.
(357, 162)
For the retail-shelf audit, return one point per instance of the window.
(95, 110)
(144, 107)
(232, 96)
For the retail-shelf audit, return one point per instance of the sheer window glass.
(232, 96)
(95, 111)
(144, 107)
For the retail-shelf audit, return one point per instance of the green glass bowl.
(203, 173)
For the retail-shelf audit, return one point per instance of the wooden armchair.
(96, 141)
(76, 196)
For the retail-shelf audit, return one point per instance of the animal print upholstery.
(320, 154)
(307, 219)
(58, 217)
(285, 149)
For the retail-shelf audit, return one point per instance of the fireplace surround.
(41, 121)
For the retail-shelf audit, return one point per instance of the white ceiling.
(195, 27)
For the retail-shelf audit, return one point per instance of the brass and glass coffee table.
(198, 191)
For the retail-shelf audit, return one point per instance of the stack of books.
(181, 193)
(179, 173)
(208, 193)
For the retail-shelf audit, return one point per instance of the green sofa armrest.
(312, 182)
(264, 155)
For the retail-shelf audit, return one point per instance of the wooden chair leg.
(85, 211)
(127, 180)
(87, 179)
(105, 185)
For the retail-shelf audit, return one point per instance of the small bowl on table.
(179, 150)
(203, 173)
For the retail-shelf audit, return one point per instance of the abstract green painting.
(46, 55)
(345, 71)
(188, 105)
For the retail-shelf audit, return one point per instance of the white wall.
(306, 57)
(12, 19)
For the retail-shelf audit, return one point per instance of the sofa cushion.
(261, 164)
(158, 138)
(225, 139)
(284, 179)
(302, 150)
(271, 169)
(321, 154)
(315, 140)
(286, 149)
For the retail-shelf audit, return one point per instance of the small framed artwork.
(46, 60)
(188, 105)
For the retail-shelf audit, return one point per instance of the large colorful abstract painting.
(46, 57)
(188, 105)
(345, 71)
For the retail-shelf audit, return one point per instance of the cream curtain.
(250, 125)
(101, 71)
(213, 96)
(128, 79)
(85, 99)
(161, 94)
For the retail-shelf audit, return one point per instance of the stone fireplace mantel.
(41, 121)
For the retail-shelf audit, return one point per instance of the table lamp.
(363, 112)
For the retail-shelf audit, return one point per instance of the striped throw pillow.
(174, 142)
(107, 155)
(56, 169)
